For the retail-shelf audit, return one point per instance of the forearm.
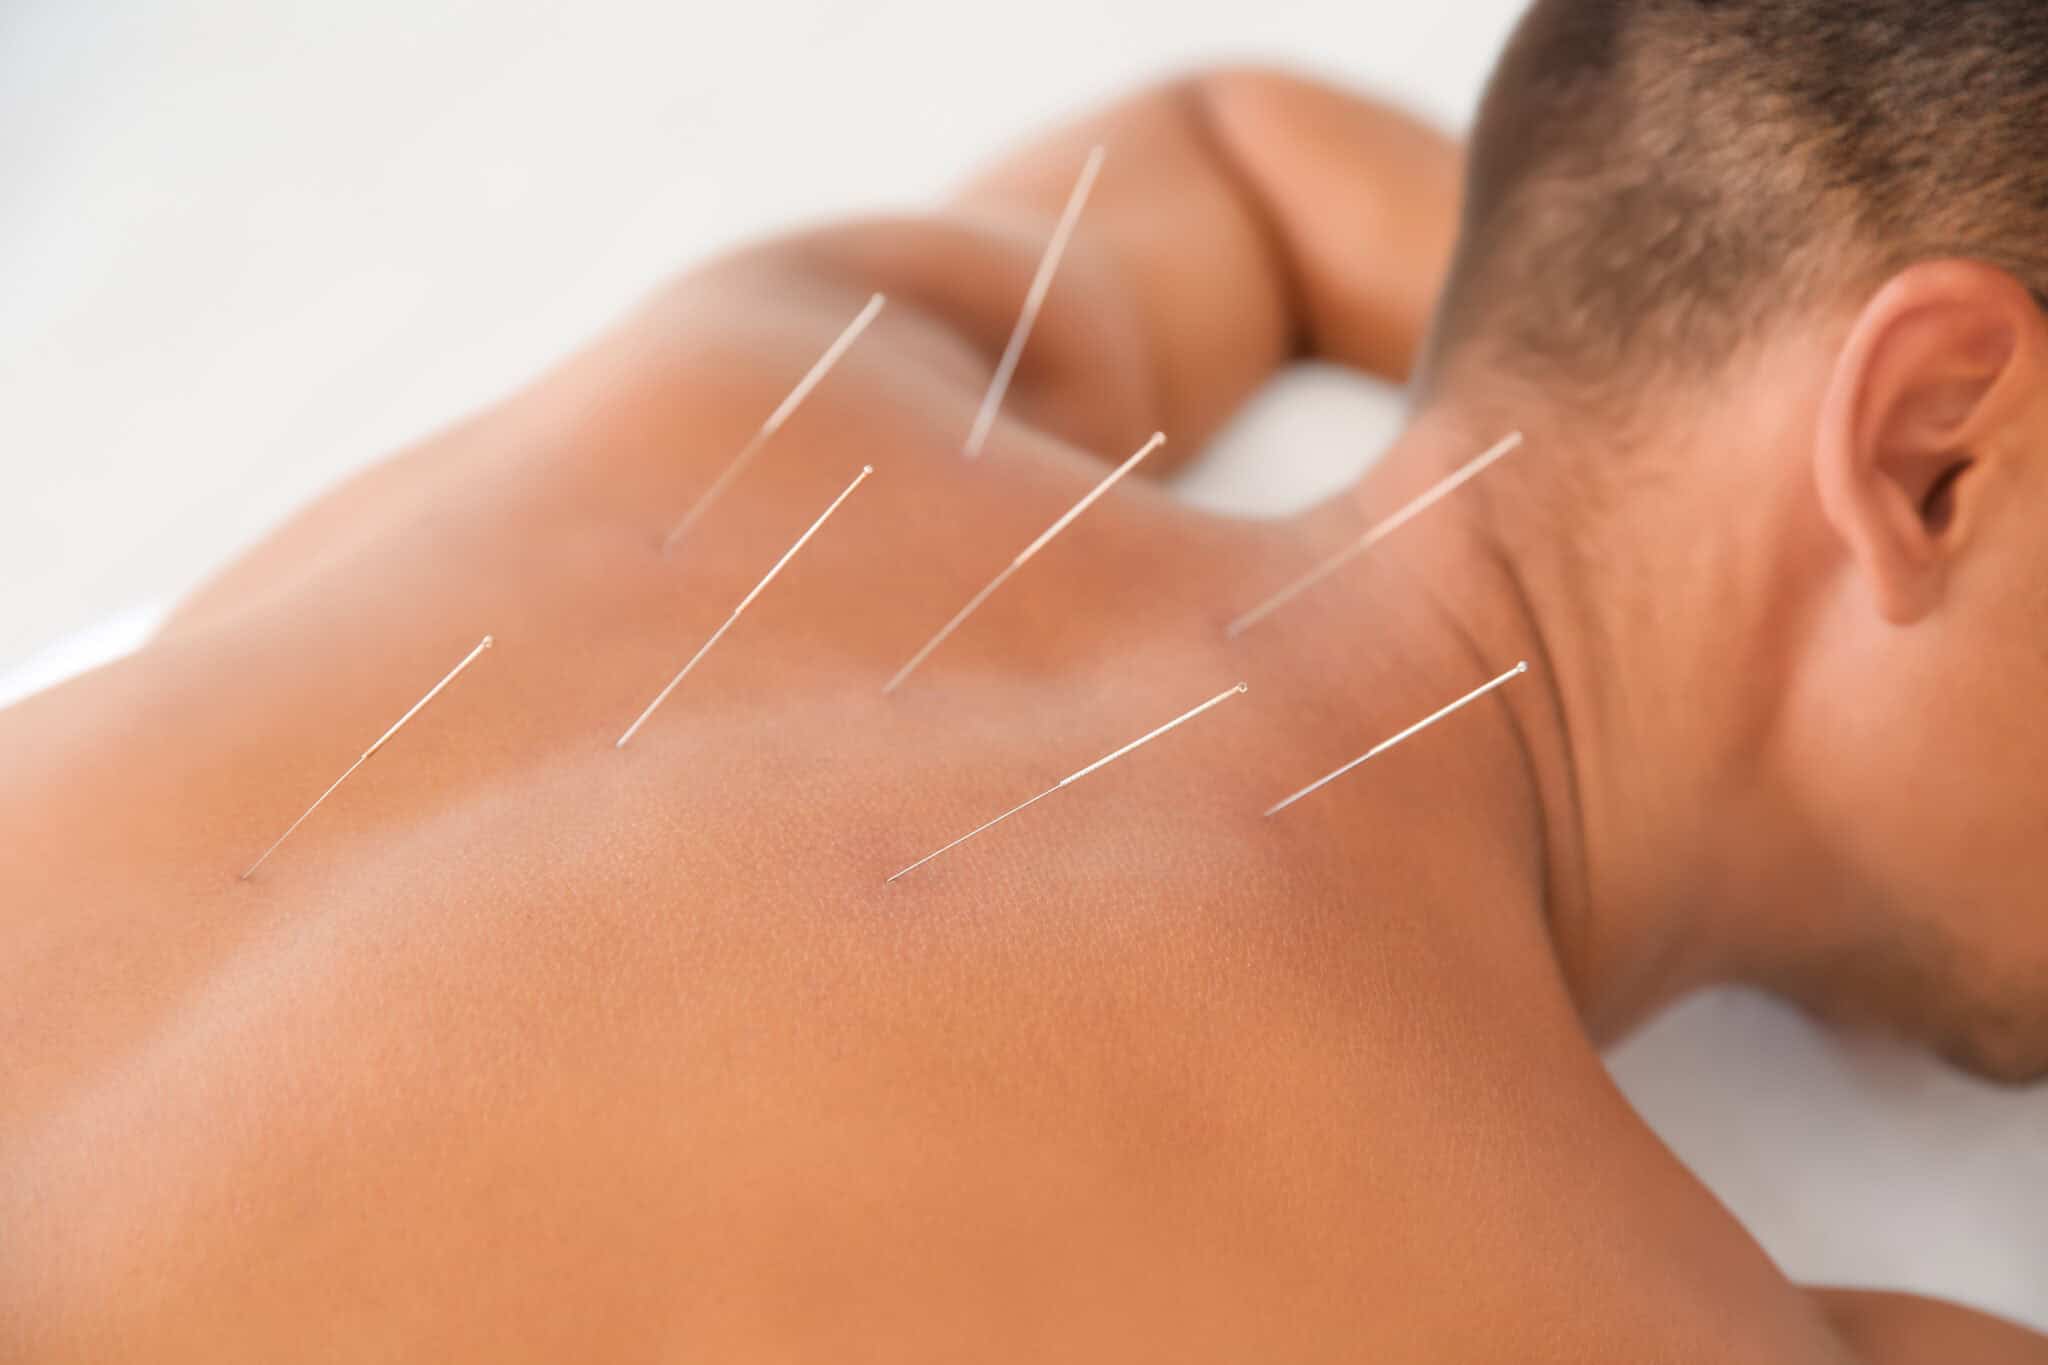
(1363, 200)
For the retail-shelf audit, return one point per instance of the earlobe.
(1925, 389)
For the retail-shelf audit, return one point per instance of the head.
(1763, 281)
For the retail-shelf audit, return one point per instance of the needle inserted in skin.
(775, 420)
(1442, 490)
(417, 707)
(1034, 299)
(1072, 778)
(1408, 733)
(745, 602)
(973, 603)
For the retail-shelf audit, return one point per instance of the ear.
(1933, 382)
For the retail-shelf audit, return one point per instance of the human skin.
(527, 1047)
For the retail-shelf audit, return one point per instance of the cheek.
(1987, 704)
(1921, 762)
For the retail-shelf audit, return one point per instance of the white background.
(248, 245)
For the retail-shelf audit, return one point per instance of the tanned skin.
(527, 1048)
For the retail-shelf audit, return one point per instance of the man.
(528, 1047)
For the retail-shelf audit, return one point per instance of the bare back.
(529, 1046)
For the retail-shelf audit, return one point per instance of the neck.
(1576, 750)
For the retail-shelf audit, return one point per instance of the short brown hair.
(1653, 181)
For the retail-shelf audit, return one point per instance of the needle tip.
(1243, 688)
(1522, 667)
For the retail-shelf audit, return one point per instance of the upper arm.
(1242, 220)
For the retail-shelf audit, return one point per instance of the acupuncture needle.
(382, 740)
(1408, 733)
(1072, 778)
(1441, 490)
(1023, 557)
(782, 414)
(745, 602)
(1034, 299)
